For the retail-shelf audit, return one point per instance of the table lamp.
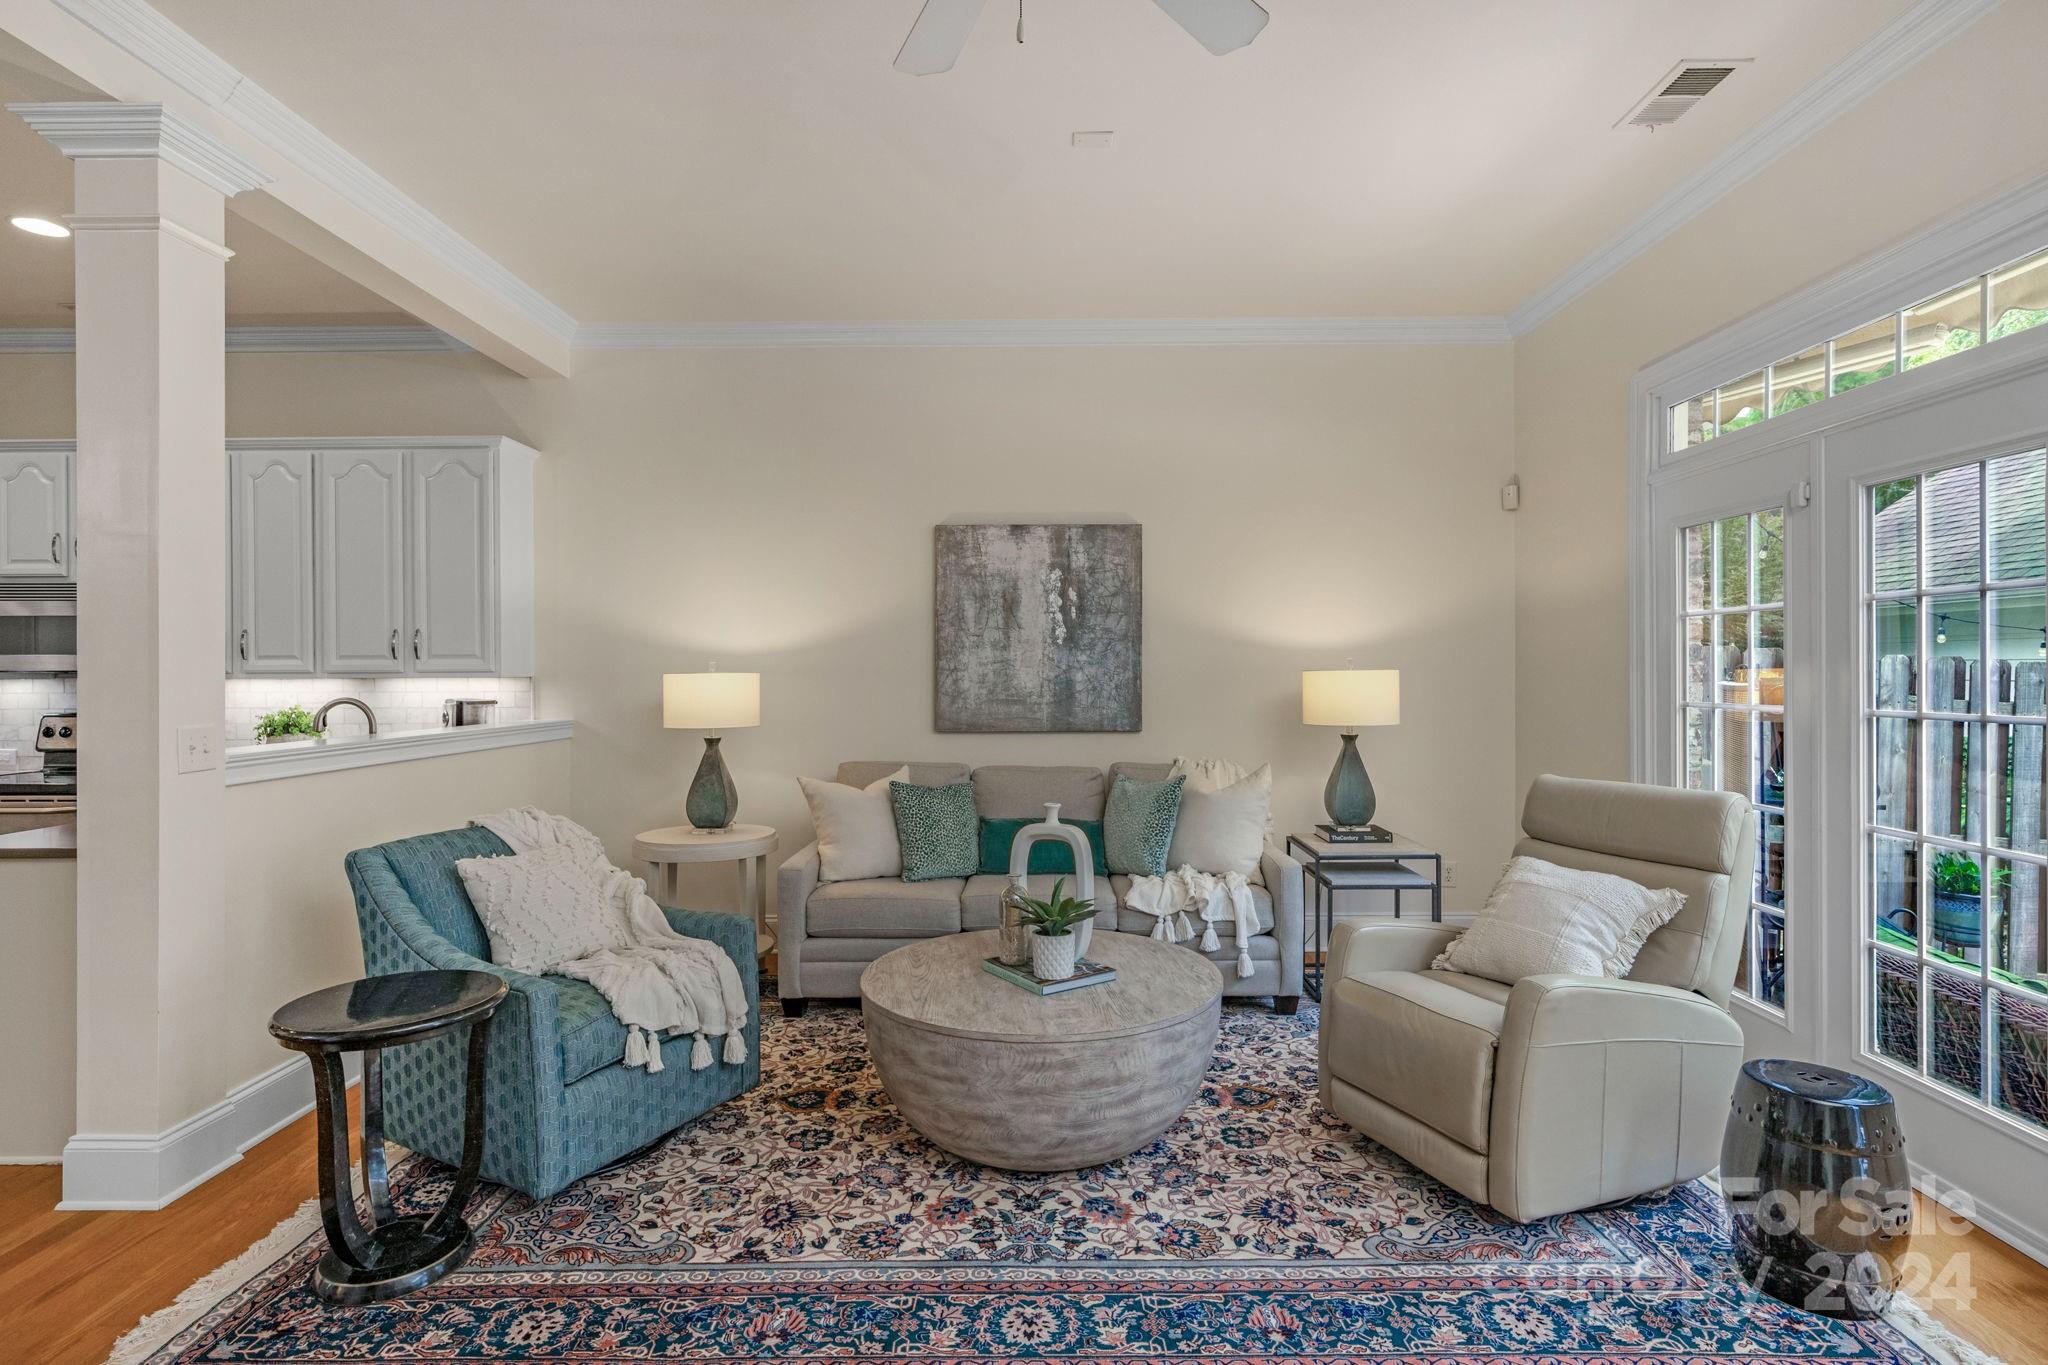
(711, 702)
(1350, 698)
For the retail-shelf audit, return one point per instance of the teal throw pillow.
(938, 830)
(1047, 855)
(1137, 826)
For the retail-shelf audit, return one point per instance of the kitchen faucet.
(320, 716)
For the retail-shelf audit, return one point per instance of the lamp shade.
(1351, 697)
(710, 701)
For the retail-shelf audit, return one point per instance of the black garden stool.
(386, 1256)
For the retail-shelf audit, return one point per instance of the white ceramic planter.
(1052, 956)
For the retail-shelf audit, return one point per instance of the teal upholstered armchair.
(559, 1104)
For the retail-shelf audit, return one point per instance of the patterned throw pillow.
(1137, 825)
(938, 830)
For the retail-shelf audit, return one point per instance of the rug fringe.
(1935, 1337)
(148, 1336)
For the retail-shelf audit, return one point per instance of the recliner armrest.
(1558, 1010)
(1356, 949)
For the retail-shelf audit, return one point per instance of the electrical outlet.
(198, 748)
(1450, 873)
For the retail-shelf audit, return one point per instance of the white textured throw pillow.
(856, 828)
(542, 908)
(1544, 918)
(1220, 829)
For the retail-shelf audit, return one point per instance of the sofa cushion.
(861, 772)
(1131, 921)
(981, 903)
(884, 907)
(1019, 792)
(1047, 855)
(856, 828)
(1423, 1042)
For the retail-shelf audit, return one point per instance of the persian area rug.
(808, 1220)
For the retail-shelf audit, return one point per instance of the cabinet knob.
(394, 642)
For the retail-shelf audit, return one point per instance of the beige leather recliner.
(1560, 1092)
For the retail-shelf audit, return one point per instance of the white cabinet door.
(453, 568)
(271, 513)
(361, 578)
(35, 514)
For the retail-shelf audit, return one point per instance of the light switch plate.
(198, 748)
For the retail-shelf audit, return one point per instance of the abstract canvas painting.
(1038, 629)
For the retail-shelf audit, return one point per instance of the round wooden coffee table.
(998, 1075)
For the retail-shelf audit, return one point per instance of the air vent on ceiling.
(1682, 87)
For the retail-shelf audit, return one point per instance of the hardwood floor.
(72, 1283)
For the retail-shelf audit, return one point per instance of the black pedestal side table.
(385, 1256)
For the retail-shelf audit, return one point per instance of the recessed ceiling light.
(41, 227)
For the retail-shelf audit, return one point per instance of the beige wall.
(38, 1006)
(1967, 121)
(773, 510)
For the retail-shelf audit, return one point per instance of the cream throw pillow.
(856, 828)
(1222, 828)
(542, 909)
(1544, 918)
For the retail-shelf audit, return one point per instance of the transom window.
(1956, 922)
(1732, 712)
(1996, 304)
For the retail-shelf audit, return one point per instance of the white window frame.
(1785, 461)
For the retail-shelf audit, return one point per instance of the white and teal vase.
(1050, 828)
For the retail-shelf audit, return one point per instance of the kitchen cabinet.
(270, 596)
(360, 573)
(417, 557)
(35, 513)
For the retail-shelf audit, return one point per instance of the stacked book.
(1353, 834)
(1086, 973)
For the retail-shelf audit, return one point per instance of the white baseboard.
(2026, 1240)
(150, 1170)
(30, 1160)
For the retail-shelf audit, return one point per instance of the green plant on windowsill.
(290, 722)
(1058, 913)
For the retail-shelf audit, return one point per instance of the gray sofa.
(828, 932)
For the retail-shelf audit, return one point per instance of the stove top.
(40, 782)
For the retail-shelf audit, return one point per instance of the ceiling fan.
(942, 28)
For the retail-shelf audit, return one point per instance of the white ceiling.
(268, 281)
(759, 160)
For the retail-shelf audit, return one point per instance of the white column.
(150, 193)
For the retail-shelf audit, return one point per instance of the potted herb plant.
(290, 722)
(1054, 944)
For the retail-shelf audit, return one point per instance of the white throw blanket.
(1211, 897)
(665, 983)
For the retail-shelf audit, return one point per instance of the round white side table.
(747, 845)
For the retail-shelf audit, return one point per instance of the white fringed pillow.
(543, 908)
(856, 828)
(1543, 918)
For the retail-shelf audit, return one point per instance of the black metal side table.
(386, 1256)
(1330, 869)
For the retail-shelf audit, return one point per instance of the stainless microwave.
(38, 628)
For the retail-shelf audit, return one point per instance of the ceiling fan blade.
(938, 35)
(1219, 25)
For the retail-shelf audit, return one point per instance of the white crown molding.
(83, 130)
(148, 222)
(669, 336)
(174, 54)
(1886, 54)
(320, 340)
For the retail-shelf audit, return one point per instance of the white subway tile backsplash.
(24, 701)
(400, 703)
